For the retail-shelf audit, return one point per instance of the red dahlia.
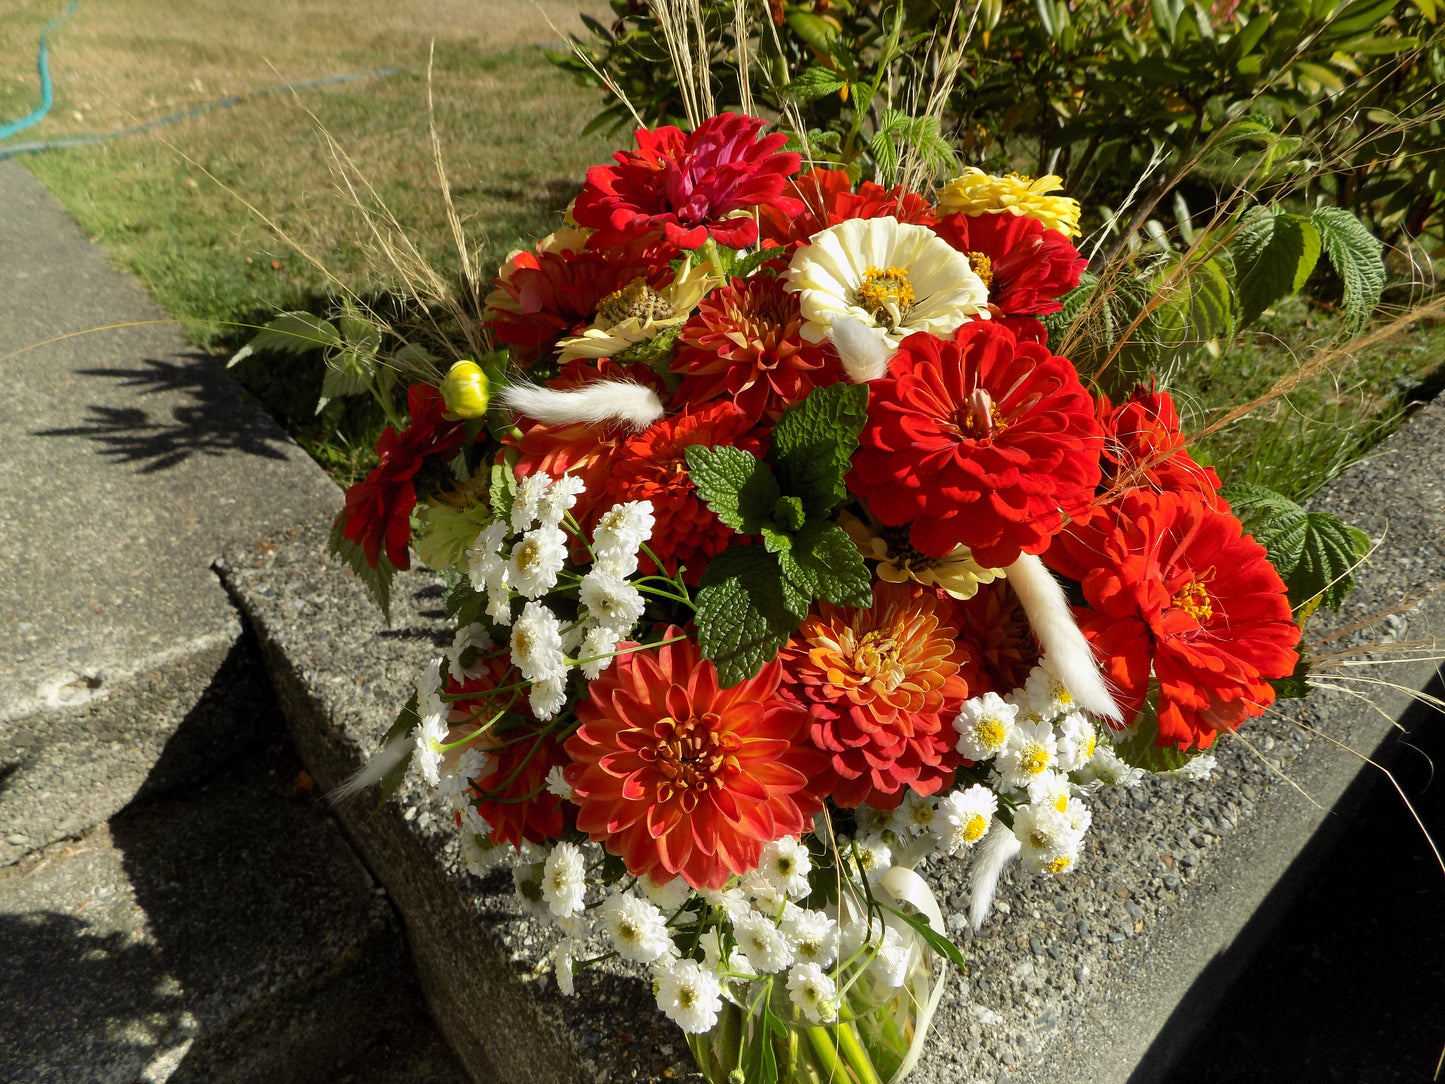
(979, 440)
(998, 634)
(882, 686)
(652, 466)
(686, 187)
(681, 778)
(744, 343)
(1176, 586)
(827, 198)
(378, 508)
(1144, 448)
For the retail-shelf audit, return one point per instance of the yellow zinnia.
(980, 193)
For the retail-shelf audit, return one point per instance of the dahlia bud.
(465, 390)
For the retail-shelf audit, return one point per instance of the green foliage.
(814, 442)
(739, 488)
(407, 720)
(378, 579)
(1139, 744)
(742, 618)
(1314, 552)
(1274, 253)
(1357, 257)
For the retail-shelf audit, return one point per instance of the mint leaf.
(775, 541)
(825, 559)
(378, 579)
(813, 445)
(739, 488)
(788, 513)
(742, 618)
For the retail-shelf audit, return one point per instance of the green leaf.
(1296, 686)
(738, 487)
(1199, 307)
(348, 372)
(378, 579)
(1314, 552)
(814, 83)
(1136, 745)
(742, 619)
(290, 333)
(813, 29)
(936, 941)
(825, 559)
(1358, 258)
(813, 445)
(1274, 254)
(503, 487)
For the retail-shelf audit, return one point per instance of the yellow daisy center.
(635, 301)
(988, 733)
(1194, 600)
(1060, 864)
(1033, 759)
(973, 831)
(982, 267)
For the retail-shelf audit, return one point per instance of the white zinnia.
(762, 942)
(690, 995)
(564, 880)
(964, 817)
(610, 600)
(1029, 752)
(984, 726)
(813, 992)
(470, 636)
(938, 291)
(669, 895)
(536, 559)
(637, 928)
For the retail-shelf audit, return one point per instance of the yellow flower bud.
(465, 390)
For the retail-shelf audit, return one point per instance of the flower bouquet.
(787, 560)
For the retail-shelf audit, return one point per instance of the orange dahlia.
(744, 343)
(980, 441)
(1176, 587)
(882, 686)
(680, 778)
(996, 629)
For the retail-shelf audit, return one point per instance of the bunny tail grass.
(385, 759)
(1066, 651)
(997, 850)
(603, 403)
(863, 353)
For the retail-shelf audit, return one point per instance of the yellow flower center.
(979, 419)
(1039, 838)
(876, 659)
(690, 754)
(982, 267)
(1060, 864)
(923, 815)
(1033, 759)
(1194, 600)
(886, 294)
(635, 301)
(973, 831)
(1061, 803)
(988, 733)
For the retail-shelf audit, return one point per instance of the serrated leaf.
(1358, 258)
(291, 333)
(347, 373)
(1274, 254)
(1200, 308)
(1313, 552)
(813, 445)
(738, 487)
(503, 487)
(823, 552)
(742, 618)
(814, 83)
(378, 579)
(1296, 686)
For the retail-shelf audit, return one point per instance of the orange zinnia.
(882, 686)
(680, 778)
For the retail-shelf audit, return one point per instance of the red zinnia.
(744, 343)
(827, 198)
(686, 188)
(1178, 587)
(652, 466)
(882, 686)
(378, 508)
(979, 440)
(681, 778)
(1026, 266)
(1144, 448)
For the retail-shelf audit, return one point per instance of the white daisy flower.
(610, 600)
(872, 822)
(890, 965)
(688, 994)
(1051, 788)
(472, 636)
(1047, 697)
(564, 880)
(762, 942)
(481, 854)
(536, 644)
(637, 928)
(430, 735)
(1196, 768)
(669, 896)
(914, 815)
(1077, 739)
(766, 895)
(964, 817)
(527, 500)
(735, 964)
(598, 648)
(813, 936)
(813, 992)
(486, 548)
(562, 958)
(557, 784)
(455, 784)
(1107, 768)
(619, 533)
(547, 695)
(1029, 751)
(785, 863)
(559, 499)
(536, 559)
(873, 857)
(896, 278)
(984, 726)
(1048, 838)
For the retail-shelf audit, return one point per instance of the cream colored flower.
(895, 277)
(980, 193)
(957, 574)
(637, 312)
